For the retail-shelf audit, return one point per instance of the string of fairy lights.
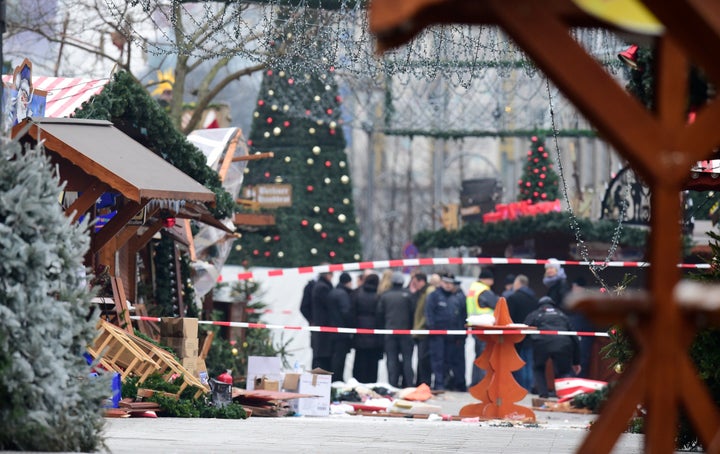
(464, 80)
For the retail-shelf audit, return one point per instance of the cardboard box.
(267, 384)
(182, 346)
(269, 367)
(316, 382)
(179, 327)
(190, 364)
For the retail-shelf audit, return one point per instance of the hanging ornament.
(267, 174)
(304, 223)
(327, 87)
(342, 217)
(618, 368)
(329, 111)
(541, 149)
(276, 238)
(536, 170)
(535, 194)
(317, 227)
(536, 160)
(313, 251)
(543, 168)
(267, 254)
(310, 188)
(256, 114)
(543, 196)
(319, 122)
(316, 150)
(288, 159)
(328, 164)
(249, 142)
(238, 247)
(346, 201)
(280, 254)
(310, 161)
(269, 72)
(351, 233)
(340, 240)
(345, 179)
(277, 131)
(307, 113)
(286, 108)
(291, 81)
(274, 107)
(356, 257)
(540, 184)
(281, 74)
(246, 170)
(333, 124)
(311, 130)
(529, 153)
(542, 176)
(261, 102)
(342, 164)
(323, 235)
(316, 98)
(527, 184)
(533, 138)
(271, 92)
(331, 210)
(286, 124)
(267, 239)
(332, 132)
(266, 135)
(545, 155)
(520, 182)
(331, 253)
(256, 252)
(327, 180)
(316, 209)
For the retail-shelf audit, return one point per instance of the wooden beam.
(86, 200)
(254, 156)
(253, 219)
(116, 224)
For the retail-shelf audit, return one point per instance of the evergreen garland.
(482, 234)
(48, 401)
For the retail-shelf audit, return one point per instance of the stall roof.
(106, 153)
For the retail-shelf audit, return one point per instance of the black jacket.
(339, 310)
(321, 317)
(549, 317)
(364, 310)
(396, 308)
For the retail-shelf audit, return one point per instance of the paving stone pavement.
(554, 433)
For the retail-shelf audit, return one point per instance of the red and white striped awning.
(64, 94)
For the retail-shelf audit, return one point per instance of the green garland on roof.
(127, 104)
(480, 234)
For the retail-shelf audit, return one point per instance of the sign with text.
(270, 195)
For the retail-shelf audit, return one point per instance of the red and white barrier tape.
(333, 329)
(381, 264)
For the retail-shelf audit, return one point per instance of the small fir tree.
(47, 400)
(539, 182)
(297, 117)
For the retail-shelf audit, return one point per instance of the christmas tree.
(47, 400)
(539, 182)
(297, 118)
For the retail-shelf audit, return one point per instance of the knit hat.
(546, 300)
(553, 263)
(486, 273)
(509, 279)
(345, 278)
(397, 278)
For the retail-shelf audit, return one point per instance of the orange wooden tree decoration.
(499, 391)
(659, 145)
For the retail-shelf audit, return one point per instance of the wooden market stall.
(95, 160)
(660, 146)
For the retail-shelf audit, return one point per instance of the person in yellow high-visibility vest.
(480, 300)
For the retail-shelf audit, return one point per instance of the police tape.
(438, 261)
(431, 332)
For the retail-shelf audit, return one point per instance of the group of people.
(437, 302)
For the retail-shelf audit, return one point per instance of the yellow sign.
(630, 15)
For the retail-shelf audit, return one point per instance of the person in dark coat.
(581, 323)
(445, 309)
(555, 280)
(339, 315)
(396, 310)
(520, 304)
(563, 350)
(421, 289)
(322, 347)
(368, 347)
